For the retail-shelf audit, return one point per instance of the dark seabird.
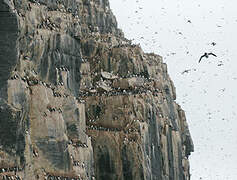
(206, 55)
(186, 71)
(213, 43)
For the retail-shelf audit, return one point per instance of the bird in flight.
(213, 43)
(186, 71)
(206, 55)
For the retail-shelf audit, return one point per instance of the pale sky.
(209, 94)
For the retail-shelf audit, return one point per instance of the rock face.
(79, 101)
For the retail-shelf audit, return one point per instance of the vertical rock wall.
(80, 101)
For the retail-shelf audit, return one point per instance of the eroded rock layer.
(80, 101)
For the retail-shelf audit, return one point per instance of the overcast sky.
(181, 31)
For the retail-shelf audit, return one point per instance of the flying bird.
(186, 71)
(206, 55)
(213, 43)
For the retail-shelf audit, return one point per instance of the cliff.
(80, 101)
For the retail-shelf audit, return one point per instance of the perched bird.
(206, 55)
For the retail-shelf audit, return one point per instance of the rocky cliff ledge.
(80, 101)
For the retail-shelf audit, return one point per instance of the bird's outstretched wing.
(186, 71)
(212, 54)
(201, 58)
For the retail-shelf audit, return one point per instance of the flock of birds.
(205, 55)
(212, 20)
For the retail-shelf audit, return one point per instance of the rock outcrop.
(80, 101)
